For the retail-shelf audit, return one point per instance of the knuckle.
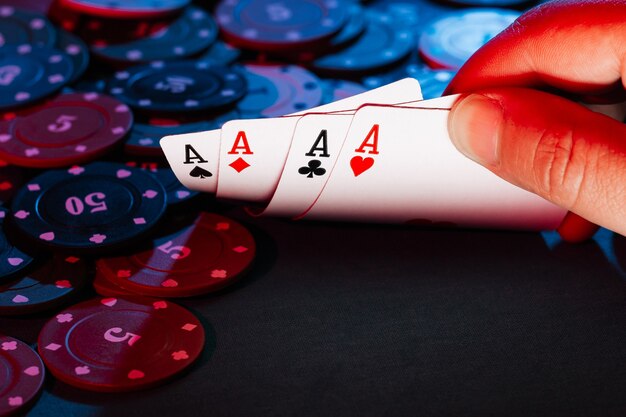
(561, 165)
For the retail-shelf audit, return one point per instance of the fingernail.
(474, 127)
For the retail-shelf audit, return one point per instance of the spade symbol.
(198, 172)
(313, 168)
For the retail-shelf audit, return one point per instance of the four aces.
(389, 162)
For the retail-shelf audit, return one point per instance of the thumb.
(548, 145)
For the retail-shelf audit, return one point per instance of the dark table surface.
(367, 320)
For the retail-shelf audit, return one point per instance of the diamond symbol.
(239, 164)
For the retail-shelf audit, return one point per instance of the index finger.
(574, 46)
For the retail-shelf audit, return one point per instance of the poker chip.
(178, 87)
(350, 32)
(76, 49)
(191, 33)
(449, 41)
(97, 207)
(220, 54)
(50, 285)
(19, 27)
(269, 25)
(203, 257)
(277, 90)
(12, 260)
(434, 82)
(30, 73)
(70, 129)
(11, 179)
(120, 344)
(489, 3)
(382, 45)
(22, 375)
(175, 192)
(102, 286)
(134, 9)
(335, 90)
(144, 137)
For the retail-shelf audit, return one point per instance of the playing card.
(193, 158)
(314, 150)
(398, 165)
(253, 152)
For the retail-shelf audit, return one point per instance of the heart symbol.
(4, 138)
(359, 164)
(15, 261)
(19, 299)
(80, 148)
(109, 302)
(21, 214)
(15, 401)
(146, 141)
(218, 273)
(97, 238)
(150, 194)
(159, 305)
(135, 374)
(63, 283)
(169, 283)
(48, 236)
(82, 370)
(21, 96)
(32, 152)
(32, 371)
(182, 194)
(123, 173)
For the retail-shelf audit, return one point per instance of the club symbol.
(313, 168)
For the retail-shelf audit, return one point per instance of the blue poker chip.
(191, 33)
(53, 283)
(270, 25)
(449, 41)
(434, 82)
(131, 9)
(382, 45)
(335, 90)
(94, 208)
(18, 27)
(220, 54)
(144, 137)
(277, 90)
(489, 3)
(76, 49)
(30, 73)
(178, 87)
(352, 30)
(12, 260)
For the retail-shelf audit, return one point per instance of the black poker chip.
(97, 207)
(12, 259)
(51, 284)
(178, 87)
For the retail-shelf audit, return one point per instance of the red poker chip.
(21, 377)
(120, 344)
(203, 257)
(106, 288)
(71, 129)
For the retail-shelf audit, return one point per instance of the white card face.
(314, 150)
(253, 152)
(194, 159)
(398, 165)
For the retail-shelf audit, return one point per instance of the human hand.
(543, 141)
